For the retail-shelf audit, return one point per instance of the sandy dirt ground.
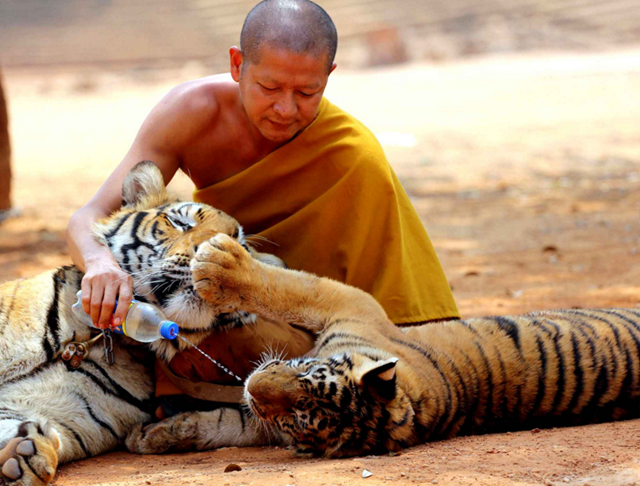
(525, 170)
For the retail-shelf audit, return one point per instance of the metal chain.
(219, 365)
(108, 346)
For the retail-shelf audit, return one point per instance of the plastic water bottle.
(144, 322)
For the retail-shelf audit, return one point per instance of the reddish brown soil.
(525, 171)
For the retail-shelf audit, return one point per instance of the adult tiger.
(52, 412)
(371, 387)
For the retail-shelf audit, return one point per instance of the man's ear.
(379, 376)
(235, 59)
(333, 67)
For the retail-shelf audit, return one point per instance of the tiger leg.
(223, 427)
(225, 275)
(29, 453)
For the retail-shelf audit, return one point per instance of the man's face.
(282, 91)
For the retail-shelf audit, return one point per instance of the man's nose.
(285, 106)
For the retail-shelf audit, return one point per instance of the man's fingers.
(108, 304)
(97, 294)
(124, 300)
(85, 286)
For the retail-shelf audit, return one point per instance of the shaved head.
(300, 26)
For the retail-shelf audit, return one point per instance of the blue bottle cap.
(169, 329)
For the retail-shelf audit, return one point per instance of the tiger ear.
(379, 376)
(144, 183)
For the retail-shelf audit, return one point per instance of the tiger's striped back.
(374, 388)
(541, 369)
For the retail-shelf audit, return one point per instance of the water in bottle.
(144, 322)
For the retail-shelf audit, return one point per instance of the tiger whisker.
(253, 244)
(269, 431)
(262, 238)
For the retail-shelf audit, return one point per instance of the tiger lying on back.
(371, 387)
(52, 412)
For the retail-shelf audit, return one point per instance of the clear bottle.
(144, 322)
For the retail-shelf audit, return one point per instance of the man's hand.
(101, 285)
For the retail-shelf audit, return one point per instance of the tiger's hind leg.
(223, 427)
(29, 454)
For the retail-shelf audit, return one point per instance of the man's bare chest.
(211, 160)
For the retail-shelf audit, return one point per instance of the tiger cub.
(370, 387)
(52, 412)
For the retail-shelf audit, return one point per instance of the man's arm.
(169, 127)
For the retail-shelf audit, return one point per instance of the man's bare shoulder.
(202, 98)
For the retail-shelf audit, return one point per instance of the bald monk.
(264, 145)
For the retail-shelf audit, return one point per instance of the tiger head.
(154, 236)
(345, 405)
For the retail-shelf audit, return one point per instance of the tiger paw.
(224, 273)
(177, 433)
(31, 458)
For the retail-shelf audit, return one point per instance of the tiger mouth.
(253, 406)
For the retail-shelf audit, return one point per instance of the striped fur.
(370, 387)
(65, 414)
(552, 368)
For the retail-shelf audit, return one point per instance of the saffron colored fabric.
(330, 204)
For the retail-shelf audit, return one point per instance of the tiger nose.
(273, 394)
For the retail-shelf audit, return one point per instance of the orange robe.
(332, 205)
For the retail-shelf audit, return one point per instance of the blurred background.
(139, 35)
(513, 125)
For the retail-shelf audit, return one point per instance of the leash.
(203, 390)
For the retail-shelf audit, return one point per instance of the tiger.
(367, 387)
(52, 412)
(370, 387)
